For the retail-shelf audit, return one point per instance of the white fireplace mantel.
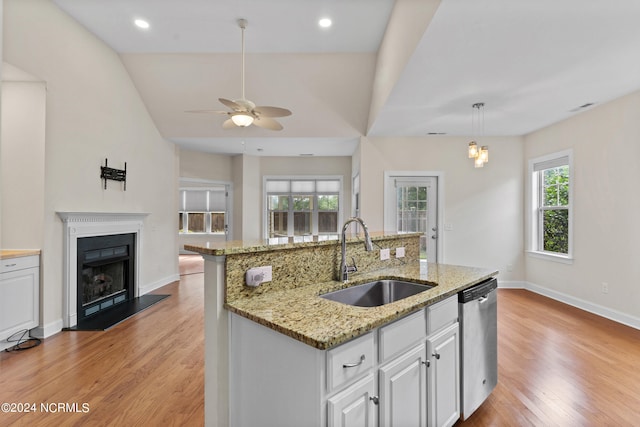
(88, 224)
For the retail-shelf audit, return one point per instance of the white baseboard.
(615, 315)
(47, 330)
(142, 290)
(511, 284)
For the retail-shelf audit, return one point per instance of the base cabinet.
(355, 406)
(402, 374)
(444, 377)
(19, 296)
(403, 390)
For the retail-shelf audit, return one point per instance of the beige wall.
(93, 112)
(23, 168)
(484, 206)
(606, 149)
(207, 166)
(199, 166)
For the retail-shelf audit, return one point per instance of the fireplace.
(106, 273)
(81, 227)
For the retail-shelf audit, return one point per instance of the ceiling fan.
(244, 112)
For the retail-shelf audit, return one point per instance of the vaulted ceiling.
(384, 68)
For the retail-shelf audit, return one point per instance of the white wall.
(93, 112)
(484, 206)
(605, 143)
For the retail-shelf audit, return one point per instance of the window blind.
(551, 163)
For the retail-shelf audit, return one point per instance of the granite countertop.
(301, 314)
(17, 253)
(243, 247)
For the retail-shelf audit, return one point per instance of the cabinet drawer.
(441, 314)
(402, 334)
(20, 263)
(349, 361)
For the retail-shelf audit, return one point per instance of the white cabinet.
(19, 296)
(405, 373)
(354, 406)
(403, 390)
(443, 349)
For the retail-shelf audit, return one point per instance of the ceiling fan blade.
(231, 104)
(228, 124)
(266, 111)
(207, 111)
(267, 123)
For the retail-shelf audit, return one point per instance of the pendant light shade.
(480, 155)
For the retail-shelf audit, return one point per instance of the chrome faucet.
(368, 246)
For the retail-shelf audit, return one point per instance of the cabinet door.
(403, 389)
(354, 406)
(443, 350)
(18, 301)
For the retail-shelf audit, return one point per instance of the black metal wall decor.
(113, 174)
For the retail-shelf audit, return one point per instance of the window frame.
(208, 213)
(535, 209)
(315, 202)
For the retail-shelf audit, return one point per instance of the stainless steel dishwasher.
(477, 309)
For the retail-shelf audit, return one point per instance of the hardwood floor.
(146, 371)
(561, 366)
(558, 366)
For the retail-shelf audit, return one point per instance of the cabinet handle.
(353, 365)
(10, 265)
(374, 399)
(436, 355)
(426, 363)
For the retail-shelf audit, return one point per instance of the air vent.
(582, 107)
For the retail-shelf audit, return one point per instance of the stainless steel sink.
(376, 293)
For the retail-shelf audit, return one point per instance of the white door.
(403, 390)
(411, 205)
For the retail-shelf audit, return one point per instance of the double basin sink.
(377, 293)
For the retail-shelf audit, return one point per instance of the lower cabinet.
(402, 374)
(19, 296)
(403, 390)
(444, 377)
(354, 406)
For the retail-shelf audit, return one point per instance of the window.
(202, 211)
(303, 206)
(551, 216)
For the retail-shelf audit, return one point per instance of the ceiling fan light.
(242, 119)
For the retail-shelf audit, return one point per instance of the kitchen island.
(290, 304)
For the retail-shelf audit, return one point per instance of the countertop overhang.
(302, 314)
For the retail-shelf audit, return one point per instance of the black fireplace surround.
(106, 273)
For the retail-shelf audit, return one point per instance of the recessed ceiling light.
(325, 22)
(141, 23)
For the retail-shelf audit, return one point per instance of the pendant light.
(480, 155)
